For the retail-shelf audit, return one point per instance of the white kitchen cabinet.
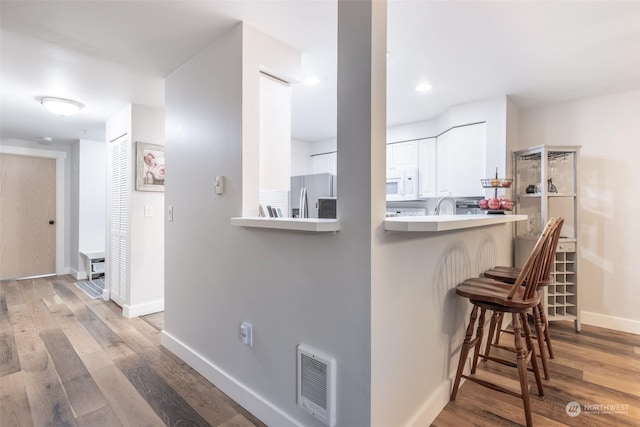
(325, 163)
(427, 167)
(402, 156)
(444, 164)
(546, 186)
(469, 165)
(461, 161)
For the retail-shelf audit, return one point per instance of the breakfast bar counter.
(435, 223)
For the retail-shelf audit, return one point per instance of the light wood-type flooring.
(596, 368)
(67, 360)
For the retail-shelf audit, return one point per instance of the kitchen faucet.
(442, 199)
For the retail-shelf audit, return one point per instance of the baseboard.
(610, 322)
(130, 311)
(78, 275)
(432, 407)
(242, 394)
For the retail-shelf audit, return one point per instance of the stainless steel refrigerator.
(314, 187)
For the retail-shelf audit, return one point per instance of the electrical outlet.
(148, 211)
(170, 214)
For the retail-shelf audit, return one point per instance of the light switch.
(219, 184)
(148, 211)
(170, 214)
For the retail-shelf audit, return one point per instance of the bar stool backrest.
(533, 269)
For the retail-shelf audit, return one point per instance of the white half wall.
(294, 287)
(608, 130)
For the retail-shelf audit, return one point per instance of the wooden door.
(27, 208)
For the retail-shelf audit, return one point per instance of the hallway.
(69, 360)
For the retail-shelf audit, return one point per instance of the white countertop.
(447, 222)
(318, 225)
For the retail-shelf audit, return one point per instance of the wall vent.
(317, 384)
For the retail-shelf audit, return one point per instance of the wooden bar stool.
(486, 294)
(509, 275)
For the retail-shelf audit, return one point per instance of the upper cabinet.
(427, 167)
(402, 156)
(451, 164)
(461, 161)
(325, 163)
(445, 163)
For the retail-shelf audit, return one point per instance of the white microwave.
(402, 185)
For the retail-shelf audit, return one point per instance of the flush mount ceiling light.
(61, 106)
(423, 87)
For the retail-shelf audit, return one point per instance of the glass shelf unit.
(545, 186)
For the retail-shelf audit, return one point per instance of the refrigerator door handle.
(303, 203)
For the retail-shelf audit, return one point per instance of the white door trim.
(60, 157)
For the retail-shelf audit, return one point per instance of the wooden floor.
(595, 368)
(68, 360)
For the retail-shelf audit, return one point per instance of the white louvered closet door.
(119, 188)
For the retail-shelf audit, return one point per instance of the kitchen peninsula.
(447, 222)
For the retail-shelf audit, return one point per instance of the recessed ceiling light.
(61, 106)
(311, 81)
(423, 87)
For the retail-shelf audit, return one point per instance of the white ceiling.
(107, 54)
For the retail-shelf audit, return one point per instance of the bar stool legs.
(464, 351)
(524, 349)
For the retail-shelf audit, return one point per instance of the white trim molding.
(610, 322)
(243, 395)
(136, 310)
(60, 157)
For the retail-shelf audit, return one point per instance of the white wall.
(418, 321)
(608, 130)
(91, 204)
(275, 134)
(294, 287)
(146, 239)
(301, 160)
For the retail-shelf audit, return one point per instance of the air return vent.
(317, 384)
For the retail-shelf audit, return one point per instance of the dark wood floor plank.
(14, 406)
(126, 329)
(204, 397)
(104, 335)
(589, 333)
(131, 409)
(82, 392)
(9, 362)
(164, 400)
(13, 296)
(5, 323)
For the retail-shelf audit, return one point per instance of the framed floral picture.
(149, 167)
